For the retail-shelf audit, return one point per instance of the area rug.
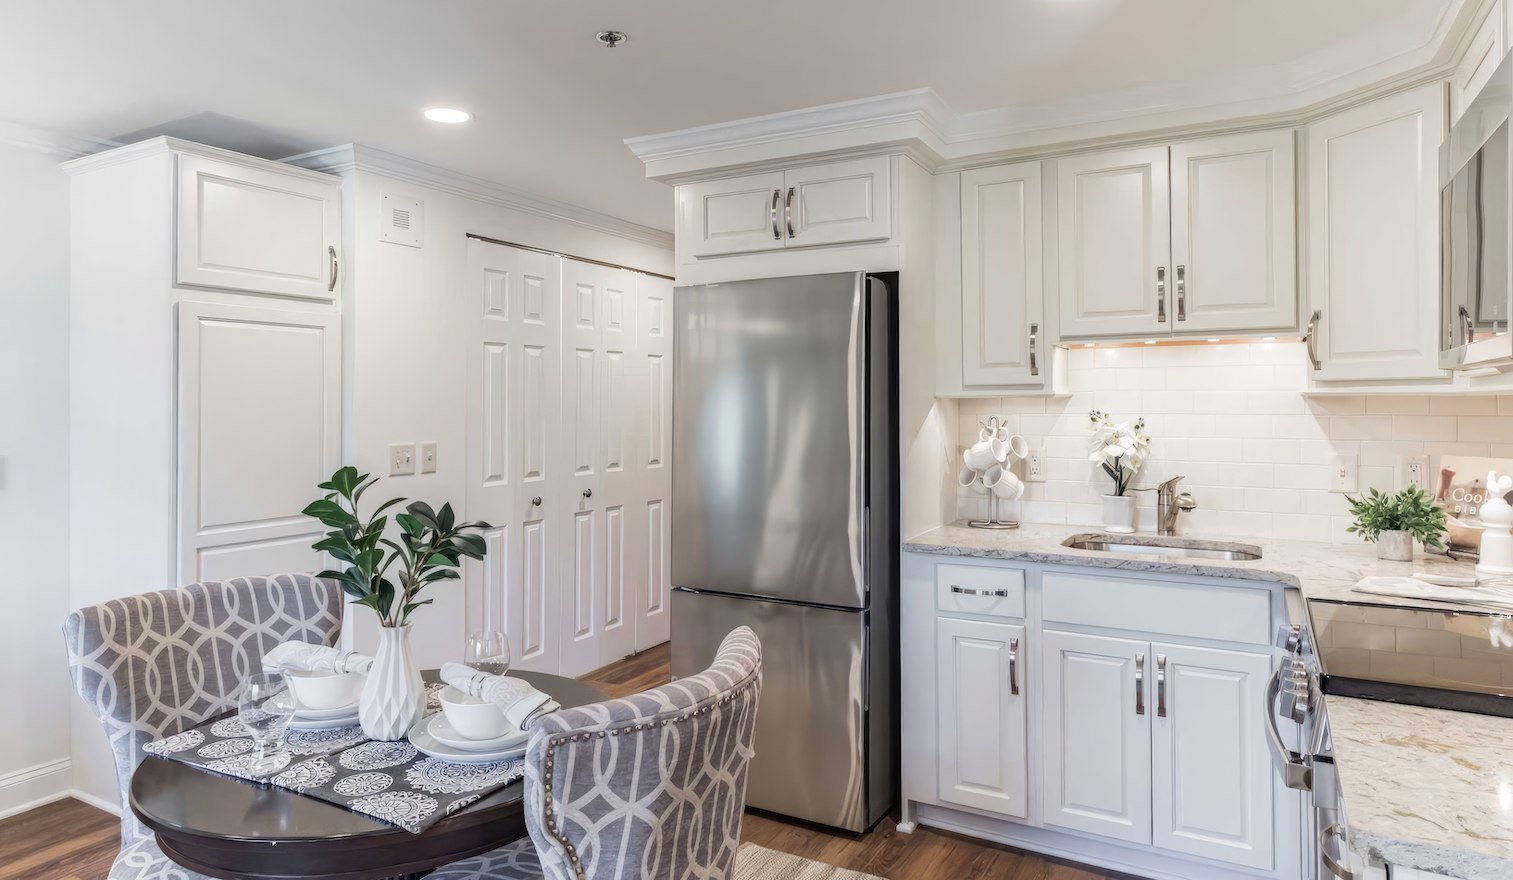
(754, 862)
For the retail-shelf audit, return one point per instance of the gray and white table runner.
(390, 781)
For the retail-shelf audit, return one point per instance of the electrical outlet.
(1343, 474)
(401, 459)
(428, 457)
(1416, 471)
(1034, 466)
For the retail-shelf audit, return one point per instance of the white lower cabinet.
(983, 749)
(1097, 735)
(1134, 742)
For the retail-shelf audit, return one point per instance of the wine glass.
(266, 706)
(488, 651)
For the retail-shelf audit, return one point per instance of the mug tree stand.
(992, 522)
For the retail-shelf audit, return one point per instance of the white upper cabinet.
(837, 203)
(740, 215)
(983, 757)
(257, 230)
(1003, 332)
(1234, 238)
(1483, 53)
(1113, 243)
(1373, 239)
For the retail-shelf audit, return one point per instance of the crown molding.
(922, 125)
(164, 145)
(356, 157)
(50, 143)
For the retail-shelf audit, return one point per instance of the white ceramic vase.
(394, 696)
(1119, 514)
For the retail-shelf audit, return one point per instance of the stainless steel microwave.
(1476, 231)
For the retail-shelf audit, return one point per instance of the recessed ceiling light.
(611, 39)
(448, 115)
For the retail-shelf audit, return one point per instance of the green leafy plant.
(430, 547)
(1411, 510)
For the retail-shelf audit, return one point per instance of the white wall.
(1233, 419)
(405, 347)
(34, 741)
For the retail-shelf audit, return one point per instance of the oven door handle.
(1296, 774)
(1332, 862)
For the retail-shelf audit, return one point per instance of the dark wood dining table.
(240, 830)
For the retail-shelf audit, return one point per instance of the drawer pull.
(968, 591)
(1014, 667)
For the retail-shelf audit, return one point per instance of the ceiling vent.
(403, 221)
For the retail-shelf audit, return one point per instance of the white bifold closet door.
(513, 306)
(586, 580)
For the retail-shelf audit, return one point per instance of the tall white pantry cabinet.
(204, 356)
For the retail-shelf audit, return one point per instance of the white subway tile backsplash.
(1233, 420)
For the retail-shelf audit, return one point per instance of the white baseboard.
(31, 787)
(109, 806)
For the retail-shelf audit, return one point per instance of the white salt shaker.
(1497, 517)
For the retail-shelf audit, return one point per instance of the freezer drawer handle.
(1331, 861)
(968, 591)
(1014, 667)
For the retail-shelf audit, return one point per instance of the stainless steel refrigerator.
(784, 518)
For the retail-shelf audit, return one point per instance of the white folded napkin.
(305, 657)
(523, 705)
(1488, 595)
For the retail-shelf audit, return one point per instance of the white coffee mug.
(1017, 447)
(1009, 487)
(985, 453)
(967, 478)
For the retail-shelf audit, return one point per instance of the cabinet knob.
(588, 493)
(536, 502)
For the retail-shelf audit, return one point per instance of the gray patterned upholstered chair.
(159, 663)
(651, 786)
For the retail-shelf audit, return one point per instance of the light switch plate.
(1034, 466)
(428, 457)
(1344, 475)
(1416, 471)
(401, 459)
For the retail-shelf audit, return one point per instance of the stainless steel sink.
(1171, 548)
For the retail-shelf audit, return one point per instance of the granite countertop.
(1424, 788)
(1320, 571)
(1427, 788)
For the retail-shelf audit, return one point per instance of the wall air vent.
(403, 220)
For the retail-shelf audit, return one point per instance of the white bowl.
(322, 690)
(472, 717)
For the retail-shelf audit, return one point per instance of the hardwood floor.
(70, 840)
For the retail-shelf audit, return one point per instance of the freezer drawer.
(811, 761)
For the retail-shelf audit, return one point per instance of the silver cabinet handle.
(1160, 294)
(1034, 363)
(588, 493)
(788, 211)
(1467, 325)
(1139, 684)
(968, 591)
(1181, 293)
(1160, 685)
(536, 502)
(772, 213)
(1331, 859)
(1311, 339)
(1296, 774)
(1014, 667)
(335, 268)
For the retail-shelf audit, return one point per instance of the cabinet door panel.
(1233, 234)
(1211, 772)
(1097, 747)
(1113, 238)
(1373, 237)
(256, 230)
(1003, 300)
(838, 203)
(259, 414)
(734, 216)
(983, 760)
(512, 321)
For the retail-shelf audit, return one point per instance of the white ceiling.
(552, 106)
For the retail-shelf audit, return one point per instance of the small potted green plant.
(1393, 522)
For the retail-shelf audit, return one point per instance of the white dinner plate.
(306, 714)
(441, 730)
(302, 723)
(421, 739)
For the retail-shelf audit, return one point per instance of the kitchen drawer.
(980, 589)
(1196, 610)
